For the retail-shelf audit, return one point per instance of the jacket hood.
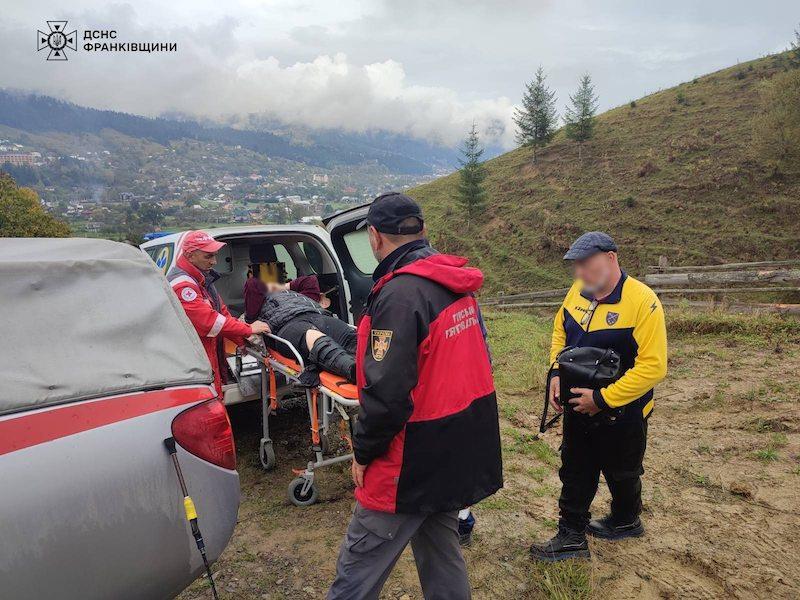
(447, 270)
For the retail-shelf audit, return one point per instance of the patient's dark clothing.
(290, 314)
(295, 332)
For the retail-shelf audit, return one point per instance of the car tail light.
(205, 431)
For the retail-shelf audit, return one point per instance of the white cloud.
(412, 66)
(217, 75)
(331, 91)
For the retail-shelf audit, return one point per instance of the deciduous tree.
(22, 215)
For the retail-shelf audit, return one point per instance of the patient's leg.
(330, 356)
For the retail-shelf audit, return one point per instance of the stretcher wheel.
(296, 495)
(267, 455)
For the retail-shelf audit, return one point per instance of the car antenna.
(191, 512)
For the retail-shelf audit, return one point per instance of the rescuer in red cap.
(192, 279)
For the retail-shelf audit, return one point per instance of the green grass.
(732, 328)
(568, 580)
(528, 444)
(520, 344)
(664, 178)
(770, 452)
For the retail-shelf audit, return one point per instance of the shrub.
(633, 103)
(647, 168)
(630, 201)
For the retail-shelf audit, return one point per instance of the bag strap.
(544, 425)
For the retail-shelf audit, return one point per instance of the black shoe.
(465, 527)
(608, 528)
(565, 545)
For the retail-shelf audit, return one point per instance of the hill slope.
(673, 174)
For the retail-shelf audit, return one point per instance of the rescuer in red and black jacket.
(427, 440)
(428, 426)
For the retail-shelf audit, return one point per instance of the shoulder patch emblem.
(188, 294)
(612, 317)
(380, 341)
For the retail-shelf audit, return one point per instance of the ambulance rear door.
(355, 255)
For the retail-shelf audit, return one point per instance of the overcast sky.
(425, 68)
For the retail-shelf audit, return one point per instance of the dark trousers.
(375, 540)
(295, 332)
(590, 448)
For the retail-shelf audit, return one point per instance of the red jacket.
(207, 312)
(428, 424)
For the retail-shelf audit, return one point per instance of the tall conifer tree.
(579, 117)
(471, 195)
(536, 120)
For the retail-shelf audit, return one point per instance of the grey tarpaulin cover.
(85, 318)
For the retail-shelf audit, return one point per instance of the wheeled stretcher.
(334, 394)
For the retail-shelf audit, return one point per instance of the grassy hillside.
(674, 173)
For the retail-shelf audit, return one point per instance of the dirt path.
(721, 494)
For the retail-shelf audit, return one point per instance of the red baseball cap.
(200, 240)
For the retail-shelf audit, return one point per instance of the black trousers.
(295, 332)
(590, 448)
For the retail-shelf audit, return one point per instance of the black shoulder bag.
(587, 367)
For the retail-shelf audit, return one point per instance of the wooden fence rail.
(743, 278)
(723, 277)
(724, 266)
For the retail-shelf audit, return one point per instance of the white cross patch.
(188, 294)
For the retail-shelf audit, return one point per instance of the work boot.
(330, 356)
(608, 528)
(465, 527)
(566, 544)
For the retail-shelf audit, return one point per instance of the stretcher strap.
(273, 389)
(314, 417)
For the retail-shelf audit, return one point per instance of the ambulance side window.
(357, 243)
(161, 255)
(286, 258)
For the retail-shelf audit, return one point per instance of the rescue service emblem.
(188, 294)
(381, 339)
(612, 317)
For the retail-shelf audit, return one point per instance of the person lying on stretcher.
(293, 312)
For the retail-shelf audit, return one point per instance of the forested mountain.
(398, 154)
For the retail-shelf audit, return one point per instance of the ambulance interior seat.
(271, 255)
(265, 265)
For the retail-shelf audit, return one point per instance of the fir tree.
(794, 54)
(471, 195)
(579, 117)
(536, 120)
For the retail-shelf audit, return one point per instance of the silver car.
(99, 365)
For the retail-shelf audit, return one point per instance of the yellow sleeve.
(559, 339)
(650, 365)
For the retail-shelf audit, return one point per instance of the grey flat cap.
(590, 243)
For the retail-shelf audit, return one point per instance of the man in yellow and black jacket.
(605, 430)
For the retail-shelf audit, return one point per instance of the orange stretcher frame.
(333, 394)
